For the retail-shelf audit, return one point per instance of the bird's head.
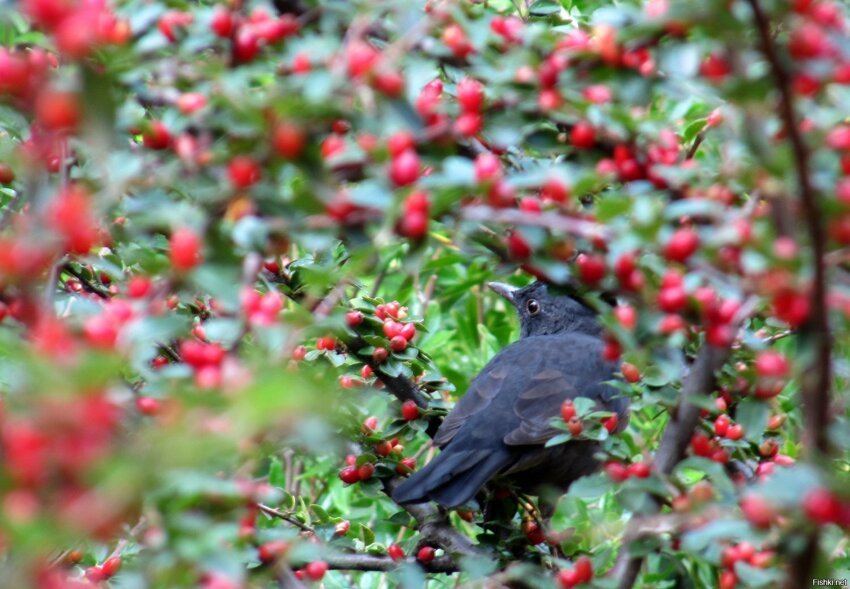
(544, 311)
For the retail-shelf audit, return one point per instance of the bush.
(242, 257)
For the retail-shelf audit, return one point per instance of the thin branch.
(367, 562)
(271, 511)
(87, 284)
(692, 150)
(553, 221)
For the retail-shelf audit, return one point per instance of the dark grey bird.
(499, 428)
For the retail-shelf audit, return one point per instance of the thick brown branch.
(434, 526)
(677, 435)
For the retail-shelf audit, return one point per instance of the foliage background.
(117, 444)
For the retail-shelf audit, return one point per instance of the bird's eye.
(533, 307)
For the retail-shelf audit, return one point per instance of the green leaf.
(276, 474)
(753, 415)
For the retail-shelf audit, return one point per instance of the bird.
(500, 426)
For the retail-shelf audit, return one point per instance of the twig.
(87, 285)
(692, 150)
(271, 511)
(554, 221)
(368, 562)
(327, 304)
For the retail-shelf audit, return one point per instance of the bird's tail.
(452, 478)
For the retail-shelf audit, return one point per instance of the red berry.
(184, 249)
(591, 268)
(7, 176)
(839, 138)
(518, 247)
(470, 95)
(735, 432)
(568, 578)
(406, 466)
(583, 136)
(222, 23)
(616, 471)
(630, 372)
(555, 190)
(157, 137)
(57, 111)
(299, 353)
(728, 580)
(426, 554)
(365, 472)
(611, 423)
(721, 425)
(821, 506)
(405, 168)
(95, 574)
(270, 551)
(389, 83)
(383, 448)
(349, 475)
(568, 410)
(626, 316)
(395, 552)
(533, 532)
(758, 511)
(398, 343)
(288, 140)
(488, 167)
(414, 225)
(672, 299)
(246, 45)
(379, 355)
(640, 470)
(111, 566)
(391, 328)
(147, 405)
(408, 331)
(243, 171)
(611, 350)
(409, 410)
(771, 363)
(354, 318)
(715, 67)
(575, 426)
(370, 424)
(584, 569)
(316, 570)
(682, 245)
(469, 124)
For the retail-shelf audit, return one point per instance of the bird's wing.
(484, 388)
(517, 394)
(568, 366)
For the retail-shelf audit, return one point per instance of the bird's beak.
(503, 290)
